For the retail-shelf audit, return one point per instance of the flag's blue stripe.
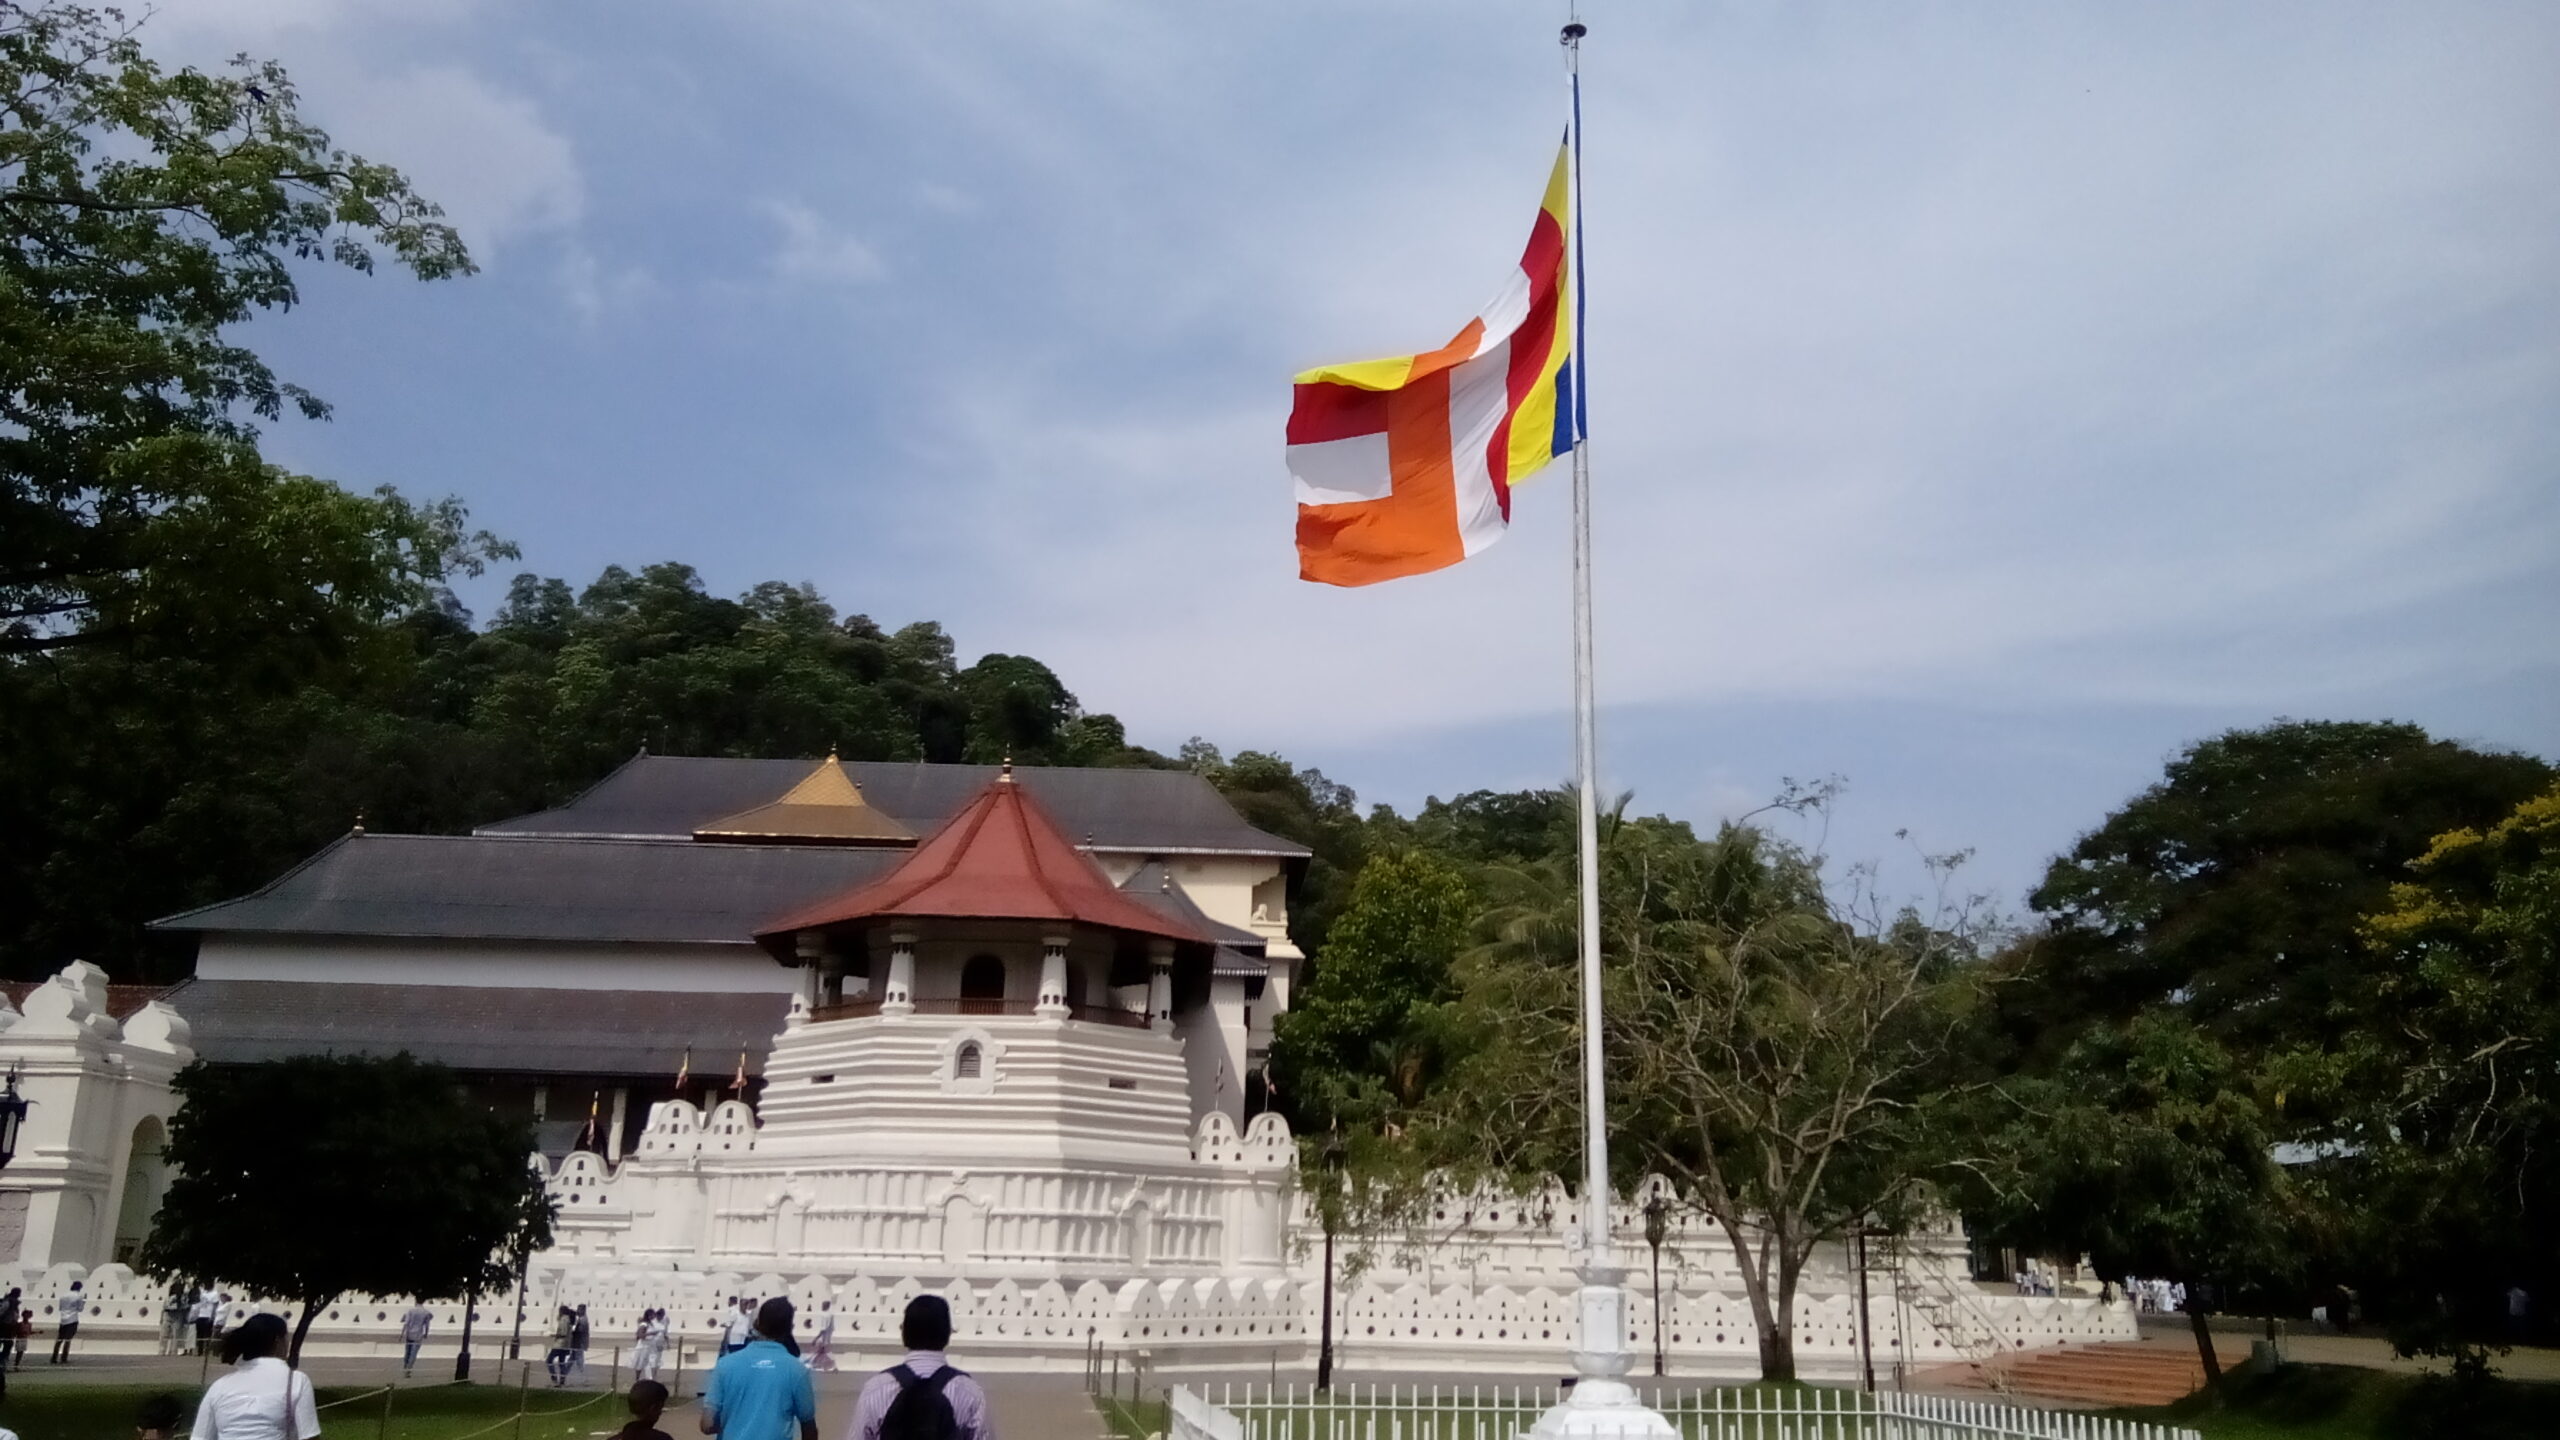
(1562, 444)
(1583, 380)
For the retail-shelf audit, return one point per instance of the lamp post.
(1327, 1208)
(1657, 1213)
(13, 1114)
(1866, 1335)
(462, 1357)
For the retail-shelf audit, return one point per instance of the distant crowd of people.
(2156, 1297)
(760, 1388)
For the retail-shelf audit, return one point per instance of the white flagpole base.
(1603, 1408)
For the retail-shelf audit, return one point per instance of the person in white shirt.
(650, 1349)
(413, 1335)
(261, 1398)
(68, 1310)
(742, 1327)
(208, 1308)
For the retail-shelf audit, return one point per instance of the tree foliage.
(143, 211)
(2150, 1150)
(2440, 1113)
(131, 797)
(1773, 1057)
(312, 1178)
(2233, 889)
(1357, 1042)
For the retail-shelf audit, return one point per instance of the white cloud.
(501, 173)
(502, 170)
(813, 251)
(593, 290)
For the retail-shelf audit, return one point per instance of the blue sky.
(1987, 400)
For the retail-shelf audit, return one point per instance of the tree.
(2233, 888)
(1774, 1059)
(2440, 1112)
(317, 1177)
(2147, 1149)
(142, 212)
(1356, 1046)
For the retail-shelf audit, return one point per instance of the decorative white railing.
(1503, 1412)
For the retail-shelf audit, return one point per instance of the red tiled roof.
(1000, 858)
(122, 1000)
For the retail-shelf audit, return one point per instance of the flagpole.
(1601, 1403)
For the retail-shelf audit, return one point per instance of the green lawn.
(424, 1412)
(2342, 1403)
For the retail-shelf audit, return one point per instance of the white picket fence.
(1502, 1412)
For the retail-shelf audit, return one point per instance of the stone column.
(899, 998)
(1053, 978)
(810, 948)
(1160, 986)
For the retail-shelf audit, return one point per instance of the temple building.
(993, 1033)
(573, 963)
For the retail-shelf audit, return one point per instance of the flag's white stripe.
(1338, 472)
(1479, 394)
(1506, 312)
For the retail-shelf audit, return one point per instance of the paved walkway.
(1049, 1406)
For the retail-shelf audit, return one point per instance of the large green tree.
(1777, 1059)
(2150, 1150)
(143, 213)
(2439, 1114)
(167, 598)
(1357, 1045)
(323, 1176)
(2233, 888)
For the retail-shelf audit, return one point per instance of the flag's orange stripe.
(1456, 352)
(1409, 532)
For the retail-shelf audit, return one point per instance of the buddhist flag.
(1406, 465)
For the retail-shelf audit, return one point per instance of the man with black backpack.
(922, 1397)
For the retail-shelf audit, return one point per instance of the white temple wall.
(1213, 1049)
(1057, 1211)
(357, 960)
(94, 1088)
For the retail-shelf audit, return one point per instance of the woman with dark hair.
(262, 1398)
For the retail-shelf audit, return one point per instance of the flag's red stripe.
(1530, 345)
(1326, 411)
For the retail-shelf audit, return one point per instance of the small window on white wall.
(967, 1064)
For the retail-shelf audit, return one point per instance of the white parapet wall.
(1043, 1273)
(901, 1155)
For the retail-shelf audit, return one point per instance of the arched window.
(968, 1064)
(982, 986)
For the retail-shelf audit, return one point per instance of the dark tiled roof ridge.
(307, 861)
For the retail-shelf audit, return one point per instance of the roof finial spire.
(359, 822)
(1006, 777)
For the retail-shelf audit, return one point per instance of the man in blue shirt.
(758, 1391)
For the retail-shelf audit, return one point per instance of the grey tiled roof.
(531, 888)
(1155, 887)
(1241, 964)
(1160, 812)
(490, 1030)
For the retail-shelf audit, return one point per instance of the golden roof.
(826, 808)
